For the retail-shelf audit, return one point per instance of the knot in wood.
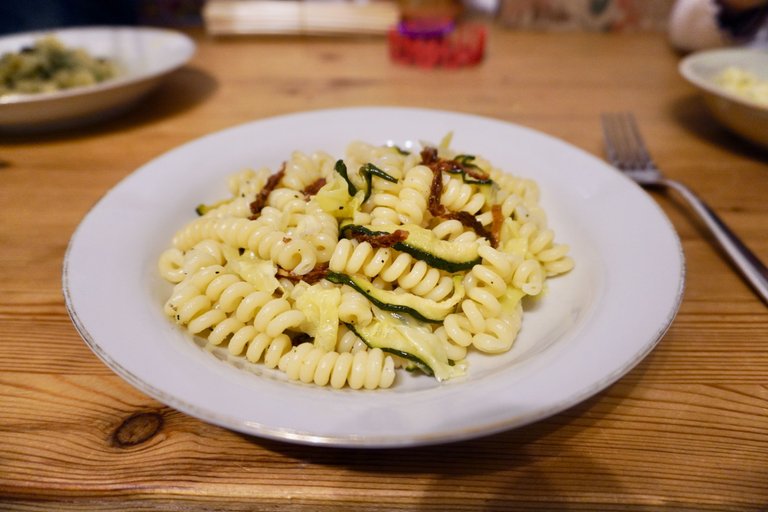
(137, 428)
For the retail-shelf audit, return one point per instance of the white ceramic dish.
(743, 116)
(593, 325)
(145, 56)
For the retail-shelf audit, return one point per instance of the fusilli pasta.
(338, 272)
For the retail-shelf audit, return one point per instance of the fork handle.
(745, 260)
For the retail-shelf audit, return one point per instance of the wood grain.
(687, 429)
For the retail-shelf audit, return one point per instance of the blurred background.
(596, 15)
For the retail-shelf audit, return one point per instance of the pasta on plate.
(339, 272)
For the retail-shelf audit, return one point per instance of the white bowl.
(144, 55)
(742, 115)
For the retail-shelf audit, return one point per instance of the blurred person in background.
(702, 24)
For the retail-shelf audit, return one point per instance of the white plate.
(145, 56)
(742, 115)
(593, 325)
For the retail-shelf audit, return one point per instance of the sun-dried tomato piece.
(475, 172)
(438, 166)
(381, 239)
(428, 155)
(469, 220)
(261, 199)
(498, 220)
(435, 193)
(314, 187)
(311, 277)
(457, 165)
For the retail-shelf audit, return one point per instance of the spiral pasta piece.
(499, 334)
(485, 284)
(385, 210)
(450, 229)
(247, 183)
(455, 351)
(461, 197)
(413, 196)
(524, 188)
(349, 342)
(541, 246)
(171, 265)
(369, 369)
(354, 308)
(301, 170)
(287, 200)
(263, 348)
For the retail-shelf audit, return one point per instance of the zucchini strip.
(412, 340)
(423, 245)
(465, 161)
(421, 365)
(419, 308)
(367, 171)
(341, 168)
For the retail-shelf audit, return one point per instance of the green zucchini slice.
(420, 308)
(423, 245)
(410, 340)
(367, 171)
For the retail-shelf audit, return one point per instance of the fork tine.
(624, 143)
(643, 155)
(611, 138)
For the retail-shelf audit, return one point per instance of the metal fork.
(626, 151)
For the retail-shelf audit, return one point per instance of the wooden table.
(686, 429)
